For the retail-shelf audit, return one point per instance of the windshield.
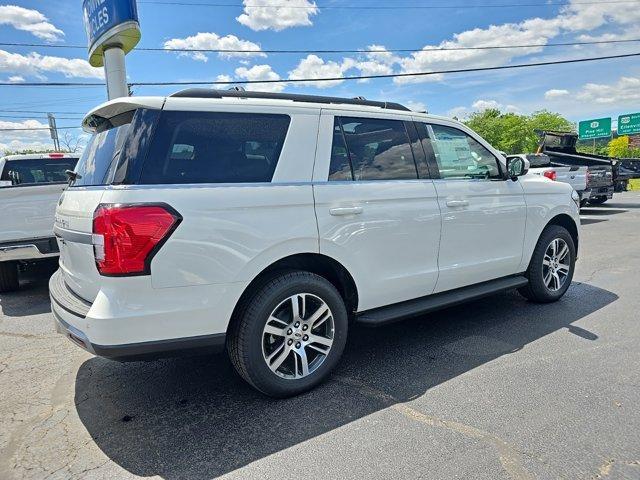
(102, 150)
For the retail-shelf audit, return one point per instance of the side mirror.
(516, 167)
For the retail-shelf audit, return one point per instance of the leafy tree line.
(515, 133)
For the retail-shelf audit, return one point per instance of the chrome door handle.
(457, 203)
(345, 211)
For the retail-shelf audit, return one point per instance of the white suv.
(265, 223)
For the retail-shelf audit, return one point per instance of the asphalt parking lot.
(499, 388)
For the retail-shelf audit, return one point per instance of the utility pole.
(53, 130)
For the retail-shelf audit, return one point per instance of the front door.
(483, 214)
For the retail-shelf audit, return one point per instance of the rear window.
(37, 171)
(206, 147)
(101, 151)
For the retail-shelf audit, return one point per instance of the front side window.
(378, 149)
(459, 156)
(37, 171)
(207, 147)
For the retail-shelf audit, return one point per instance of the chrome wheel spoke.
(298, 306)
(276, 331)
(327, 342)
(562, 268)
(555, 271)
(304, 363)
(564, 251)
(280, 355)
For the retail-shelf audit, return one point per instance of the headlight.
(575, 196)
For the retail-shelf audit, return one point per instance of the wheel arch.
(564, 220)
(322, 265)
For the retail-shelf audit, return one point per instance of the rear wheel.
(290, 334)
(597, 200)
(552, 264)
(9, 276)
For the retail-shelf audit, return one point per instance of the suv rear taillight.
(126, 237)
(551, 174)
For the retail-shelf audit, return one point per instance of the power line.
(381, 7)
(41, 111)
(327, 79)
(375, 50)
(34, 117)
(32, 129)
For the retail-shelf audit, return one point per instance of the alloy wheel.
(298, 336)
(556, 264)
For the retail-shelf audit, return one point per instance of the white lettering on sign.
(97, 16)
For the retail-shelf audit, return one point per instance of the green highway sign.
(629, 124)
(597, 128)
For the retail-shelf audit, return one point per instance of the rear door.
(376, 206)
(483, 214)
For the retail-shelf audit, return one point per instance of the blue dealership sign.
(110, 21)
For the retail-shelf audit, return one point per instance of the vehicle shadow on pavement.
(194, 418)
(589, 221)
(601, 211)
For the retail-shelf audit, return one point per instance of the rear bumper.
(603, 192)
(32, 249)
(73, 320)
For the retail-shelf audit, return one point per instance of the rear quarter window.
(215, 147)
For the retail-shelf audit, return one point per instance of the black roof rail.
(211, 93)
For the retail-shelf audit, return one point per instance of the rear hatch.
(109, 158)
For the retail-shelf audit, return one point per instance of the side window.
(460, 156)
(207, 147)
(378, 149)
(30, 172)
(340, 167)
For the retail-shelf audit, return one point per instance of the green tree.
(514, 133)
(619, 147)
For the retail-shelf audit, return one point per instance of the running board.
(436, 301)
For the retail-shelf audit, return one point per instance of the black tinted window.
(340, 167)
(102, 150)
(378, 149)
(204, 147)
(44, 170)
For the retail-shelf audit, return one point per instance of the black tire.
(8, 276)
(597, 200)
(245, 338)
(537, 290)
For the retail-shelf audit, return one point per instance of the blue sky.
(578, 91)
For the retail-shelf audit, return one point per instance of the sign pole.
(115, 72)
(113, 31)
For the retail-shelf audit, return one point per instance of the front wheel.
(552, 264)
(597, 200)
(290, 334)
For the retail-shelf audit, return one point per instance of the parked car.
(30, 186)
(264, 223)
(540, 164)
(601, 172)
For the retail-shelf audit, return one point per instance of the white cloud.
(555, 93)
(213, 41)
(24, 139)
(16, 79)
(623, 93)
(416, 106)
(224, 78)
(459, 112)
(578, 16)
(315, 67)
(36, 64)
(260, 72)
(31, 21)
(288, 13)
(481, 105)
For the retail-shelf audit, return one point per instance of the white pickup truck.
(30, 186)
(577, 177)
